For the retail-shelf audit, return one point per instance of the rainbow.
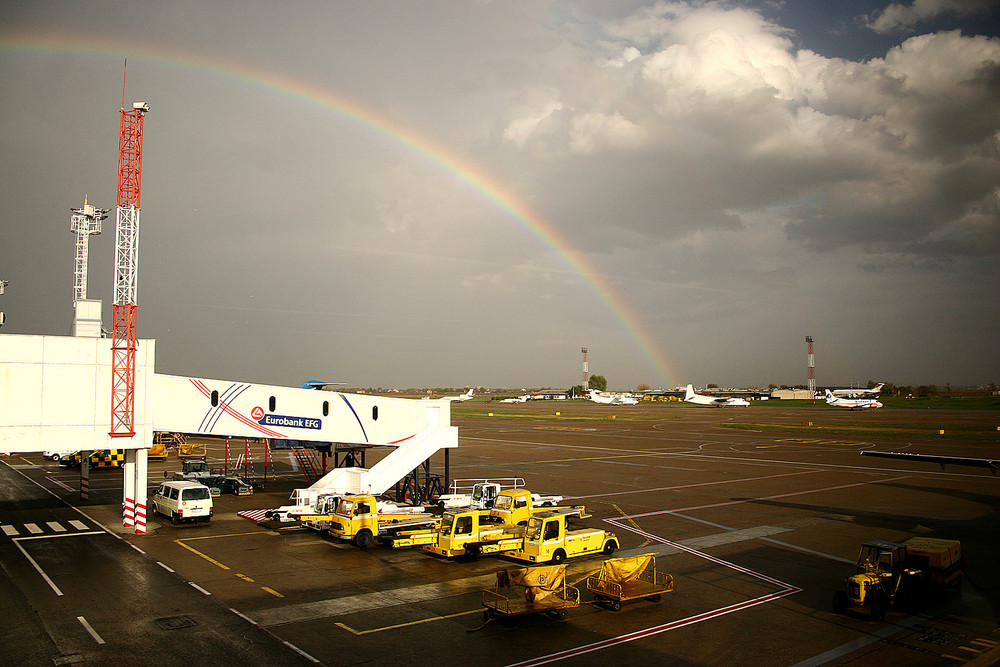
(474, 177)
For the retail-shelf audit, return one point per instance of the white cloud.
(900, 17)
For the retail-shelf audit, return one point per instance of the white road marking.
(88, 628)
(33, 528)
(56, 526)
(9, 531)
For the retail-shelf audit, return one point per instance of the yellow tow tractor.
(550, 537)
(903, 574)
(361, 518)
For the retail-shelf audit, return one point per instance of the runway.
(758, 526)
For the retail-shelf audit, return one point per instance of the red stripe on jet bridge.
(229, 410)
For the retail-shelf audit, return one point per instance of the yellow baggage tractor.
(530, 590)
(630, 578)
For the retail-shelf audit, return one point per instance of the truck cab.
(358, 518)
(550, 538)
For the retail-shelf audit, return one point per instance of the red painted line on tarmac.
(655, 630)
(785, 589)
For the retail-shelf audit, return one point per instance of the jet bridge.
(55, 394)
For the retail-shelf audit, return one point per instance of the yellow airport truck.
(360, 518)
(474, 532)
(549, 537)
(904, 574)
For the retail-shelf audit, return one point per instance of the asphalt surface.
(758, 527)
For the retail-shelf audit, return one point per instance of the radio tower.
(586, 368)
(84, 222)
(811, 376)
(123, 339)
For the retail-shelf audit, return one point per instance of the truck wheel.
(840, 602)
(558, 557)
(174, 519)
(616, 605)
(364, 538)
(609, 547)
(473, 551)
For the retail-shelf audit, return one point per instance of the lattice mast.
(586, 368)
(85, 222)
(123, 345)
(811, 368)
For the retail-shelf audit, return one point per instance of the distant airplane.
(612, 399)
(519, 399)
(990, 464)
(318, 384)
(461, 397)
(859, 393)
(852, 403)
(714, 401)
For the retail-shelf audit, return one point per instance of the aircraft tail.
(689, 393)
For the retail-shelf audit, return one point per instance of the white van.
(183, 501)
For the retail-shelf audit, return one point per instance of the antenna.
(124, 68)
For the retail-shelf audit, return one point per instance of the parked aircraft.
(859, 393)
(519, 399)
(714, 401)
(612, 399)
(461, 397)
(852, 403)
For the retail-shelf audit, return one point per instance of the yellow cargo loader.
(905, 574)
(475, 532)
(360, 519)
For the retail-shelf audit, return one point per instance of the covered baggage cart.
(630, 578)
(530, 590)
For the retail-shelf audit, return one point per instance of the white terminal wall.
(55, 394)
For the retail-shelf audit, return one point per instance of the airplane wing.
(990, 464)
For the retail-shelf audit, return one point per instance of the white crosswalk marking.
(56, 526)
(32, 528)
(79, 525)
(9, 531)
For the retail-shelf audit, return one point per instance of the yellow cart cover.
(538, 582)
(620, 570)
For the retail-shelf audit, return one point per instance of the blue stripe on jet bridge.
(351, 407)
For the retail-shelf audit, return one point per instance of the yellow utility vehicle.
(549, 537)
(904, 574)
(474, 532)
(360, 518)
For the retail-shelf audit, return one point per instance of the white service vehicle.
(183, 501)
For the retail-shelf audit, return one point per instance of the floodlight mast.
(85, 222)
(123, 345)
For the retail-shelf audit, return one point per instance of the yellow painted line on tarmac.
(632, 523)
(604, 458)
(198, 553)
(226, 567)
(359, 633)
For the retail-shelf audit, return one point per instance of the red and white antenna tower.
(811, 361)
(586, 368)
(123, 339)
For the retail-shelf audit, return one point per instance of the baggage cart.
(631, 578)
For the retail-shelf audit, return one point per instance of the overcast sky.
(466, 193)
